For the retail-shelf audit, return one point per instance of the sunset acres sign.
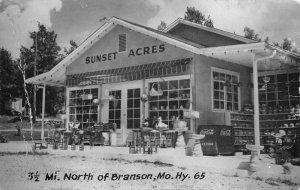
(132, 53)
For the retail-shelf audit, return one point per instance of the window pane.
(229, 88)
(137, 113)
(173, 85)
(118, 122)
(216, 94)
(117, 104)
(111, 114)
(118, 114)
(222, 96)
(229, 105)
(216, 85)
(229, 96)
(221, 86)
(130, 93)
(137, 103)
(163, 85)
(222, 105)
(228, 78)
(216, 105)
(129, 103)
(129, 113)
(222, 76)
(184, 83)
(236, 106)
(235, 89)
(235, 98)
(129, 123)
(216, 75)
(234, 79)
(137, 93)
(111, 105)
(136, 123)
(282, 78)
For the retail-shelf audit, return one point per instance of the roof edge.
(214, 30)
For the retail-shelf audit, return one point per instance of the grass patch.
(116, 159)
(27, 134)
(272, 182)
(24, 153)
(287, 182)
(158, 163)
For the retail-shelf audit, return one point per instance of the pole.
(256, 104)
(255, 97)
(34, 74)
(43, 112)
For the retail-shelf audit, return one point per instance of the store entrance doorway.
(121, 104)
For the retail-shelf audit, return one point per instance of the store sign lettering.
(147, 50)
(225, 132)
(133, 52)
(207, 132)
(101, 57)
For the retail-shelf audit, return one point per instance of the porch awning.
(143, 71)
(244, 54)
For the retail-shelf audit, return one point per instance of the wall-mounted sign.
(132, 52)
(147, 50)
(101, 57)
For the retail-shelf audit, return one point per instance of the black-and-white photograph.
(149, 94)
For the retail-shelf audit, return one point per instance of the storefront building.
(190, 67)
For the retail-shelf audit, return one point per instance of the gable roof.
(208, 29)
(57, 75)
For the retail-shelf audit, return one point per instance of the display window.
(173, 96)
(81, 108)
(133, 108)
(225, 89)
(114, 108)
(279, 90)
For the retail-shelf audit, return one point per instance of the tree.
(194, 15)
(45, 51)
(208, 22)
(162, 26)
(6, 77)
(250, 34)
(73, 45)
(10, 80)
(287, 44)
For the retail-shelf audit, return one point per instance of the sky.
(77, 19)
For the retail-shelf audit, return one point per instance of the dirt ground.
(29, 172)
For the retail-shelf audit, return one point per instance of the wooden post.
(43, 111)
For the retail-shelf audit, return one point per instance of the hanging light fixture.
(157, 92)
(266, 79)
(107, 96)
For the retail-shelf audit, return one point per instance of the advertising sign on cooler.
(219, 139)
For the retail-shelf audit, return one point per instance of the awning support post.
(256, 104)
(255, 96)
(255, 150)
(43, 112)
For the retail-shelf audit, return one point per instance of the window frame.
(167, 79)
(226, 72)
